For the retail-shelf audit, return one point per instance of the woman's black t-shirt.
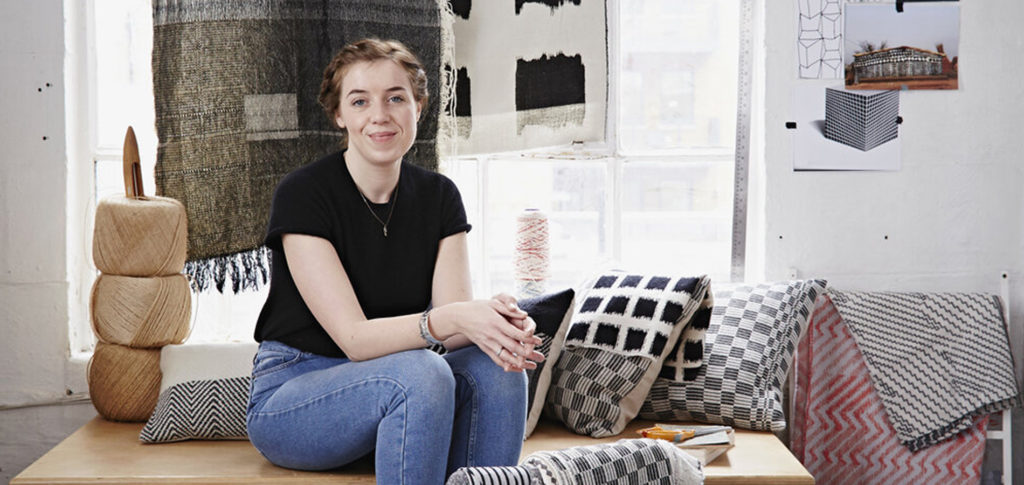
(391, 275)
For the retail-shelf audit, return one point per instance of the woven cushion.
(203, 394)
(626, 461)
(749, 346)
(623, 326)
(551, 314)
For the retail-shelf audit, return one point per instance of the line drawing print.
(820, 39)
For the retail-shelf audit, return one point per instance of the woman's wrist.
(425, 332)
(442, 323)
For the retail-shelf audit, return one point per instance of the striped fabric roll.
(495, 475)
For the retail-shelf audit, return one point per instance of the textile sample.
(937, 360)
(236, 87)
(840, 430)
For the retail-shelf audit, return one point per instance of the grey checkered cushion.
(623, 326)
(749, 346)
(631, 461)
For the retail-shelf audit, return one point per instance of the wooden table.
(107, 452)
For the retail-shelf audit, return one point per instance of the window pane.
(465, 173)
(669, 52)
(677, 217)
(124, 80)
(571, 193)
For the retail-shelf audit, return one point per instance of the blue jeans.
(425, 414)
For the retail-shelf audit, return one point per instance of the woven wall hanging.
(236, 87)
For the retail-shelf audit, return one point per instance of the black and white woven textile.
(628, 461)
(496, 475)
(203, 409)
(937, 360)
(623, 327)
(204, 391)
(551, 312)
(749, 346)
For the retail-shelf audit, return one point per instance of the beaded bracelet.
(425, 330)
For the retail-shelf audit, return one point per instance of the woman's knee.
(424, 373)
(476, 366)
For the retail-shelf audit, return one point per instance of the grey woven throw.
(624, 462)
(236, 87)
(937, 360)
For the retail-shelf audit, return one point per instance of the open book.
(708, 443)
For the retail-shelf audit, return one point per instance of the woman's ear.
(337, 120)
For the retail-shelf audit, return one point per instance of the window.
(657, 196)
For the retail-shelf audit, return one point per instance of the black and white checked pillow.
(748, 350)
(203, 393)
(623, 326)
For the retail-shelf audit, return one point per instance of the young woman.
(370, 266)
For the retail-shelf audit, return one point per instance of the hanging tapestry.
(236, 86)
(529, 75)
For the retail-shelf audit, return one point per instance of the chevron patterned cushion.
(623, 328)
(749, 347)
(203, 393)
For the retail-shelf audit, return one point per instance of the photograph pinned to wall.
(917, 48)
(839, 129)
(820, 39)
(530, 76)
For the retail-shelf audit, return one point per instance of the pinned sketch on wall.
(839, 129)
(530, 76)
(820, 39)
(917, 48)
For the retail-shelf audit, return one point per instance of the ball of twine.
(141, 312)
(124, 383)
(531, 261)
(144, 236)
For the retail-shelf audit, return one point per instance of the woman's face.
(378, 110)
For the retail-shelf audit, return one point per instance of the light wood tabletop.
(108, 452)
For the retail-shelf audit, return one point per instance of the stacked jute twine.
(141, 300)
(532, 253)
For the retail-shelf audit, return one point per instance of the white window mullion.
(613, 230)
(482, 265)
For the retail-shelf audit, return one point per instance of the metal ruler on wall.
(744, 91)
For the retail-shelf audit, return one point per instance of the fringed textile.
(236, 87)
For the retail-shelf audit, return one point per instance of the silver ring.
(500, 351)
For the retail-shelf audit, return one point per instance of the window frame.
(81, 72)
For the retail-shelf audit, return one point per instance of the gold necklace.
(383, 224)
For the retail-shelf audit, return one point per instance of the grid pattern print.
(634, 314)
(588, 386)
(862, 120)
(633, 461)
(749, 348)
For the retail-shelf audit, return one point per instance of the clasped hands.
(506, 334)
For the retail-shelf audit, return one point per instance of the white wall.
(33, 270)
(954, 213)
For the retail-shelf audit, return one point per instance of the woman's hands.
(501, 329)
